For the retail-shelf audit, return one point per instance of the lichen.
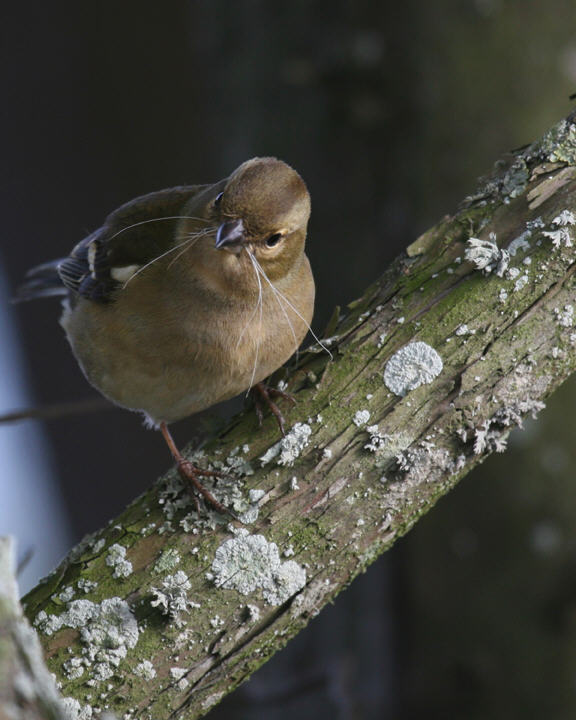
(145, 670)
(413, 365)
(519, 243)
(75, 711)
(487, 256)
(377, 439)
(87, 586)
(559, 143)
(116, 559)
(247, 563)
(107, 631)
(172, 597)
(361, 418)
(521, 283)
(560, 237)
(463, 329)
(168, 560)
(565, 316)
(290, 447)
(566, 217)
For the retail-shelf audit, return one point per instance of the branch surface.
(162, 613)
(27, 691)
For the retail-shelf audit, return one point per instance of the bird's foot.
(190, 474)
(264, 396)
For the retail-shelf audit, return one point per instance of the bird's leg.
(264, 396)
(189, 473)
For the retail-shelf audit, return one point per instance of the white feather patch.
(91, 258)
(123, 274)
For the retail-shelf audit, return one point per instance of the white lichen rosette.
(247, 563)
(413, 365)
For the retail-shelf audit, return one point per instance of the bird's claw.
(264, 395)
(190, 474)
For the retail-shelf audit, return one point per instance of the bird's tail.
(41, 281)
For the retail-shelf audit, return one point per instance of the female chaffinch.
(189, 296)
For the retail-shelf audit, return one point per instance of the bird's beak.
(230, 235)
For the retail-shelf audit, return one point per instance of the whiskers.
(158, 219)
(259, 306)
(283, 304)
(191, 239)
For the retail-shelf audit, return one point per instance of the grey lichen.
(145, 670)
(107, 631)
(247, 563)
(172, 598)
(87, 586)
(520, 243)
(75, 711)
(67, 594)
(559, 144)
(413, 365)
(516, 178)
(565, 316)
(361, 418)
(168, 560)
(561, 235)
(116, 559)
(377, 439)
(289, 449)
(487, 256)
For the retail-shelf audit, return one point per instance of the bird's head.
(258, 215)
(264, 208)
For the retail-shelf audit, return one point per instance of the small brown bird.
(189, 296)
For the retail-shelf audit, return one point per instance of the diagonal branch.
(162, 613)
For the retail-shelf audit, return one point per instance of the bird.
(189, 296)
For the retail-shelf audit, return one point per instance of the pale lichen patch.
(566, 217)
(172, 597)
(67, 594)
(361, 418)
(290, 447)
(565, 316)
(107, 631)
(520, 243)
(168, 560)
(116, 558)
(487, 256)
(413, 365)
(247, 563)
(87, 586)
(377, 439)
(562, 237)
(145, 670)
(521, 283)
(75, 711)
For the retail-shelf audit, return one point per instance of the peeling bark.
(363, 466)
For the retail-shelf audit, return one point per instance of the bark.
(27, 692)
(162, 613)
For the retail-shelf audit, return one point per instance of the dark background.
(390, 111)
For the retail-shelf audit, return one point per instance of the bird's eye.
(273, 240)
(218, 199)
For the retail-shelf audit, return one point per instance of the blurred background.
(390, 111)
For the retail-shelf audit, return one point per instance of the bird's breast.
(173, 361)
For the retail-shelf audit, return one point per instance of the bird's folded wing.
(131, 236)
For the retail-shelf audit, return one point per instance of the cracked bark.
(505, 345)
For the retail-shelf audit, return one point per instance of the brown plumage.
(189, 296)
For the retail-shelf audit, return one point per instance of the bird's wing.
(131, 236)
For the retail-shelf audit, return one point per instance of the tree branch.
(162, 613)
(27, 691)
